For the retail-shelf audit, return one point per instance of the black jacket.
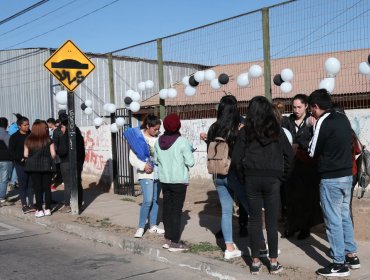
(63, 148)
(263, 157)
(5, 154)
(334, 146)
(16, 146)
(303, 135)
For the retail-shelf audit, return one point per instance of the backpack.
(218, 160)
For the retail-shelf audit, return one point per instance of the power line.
(36, 19)
(63, 25)
(23, 11)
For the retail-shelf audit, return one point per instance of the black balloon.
(83, 106)
(368, 59)
(193, 82)
(278, 80)
(223, 79)
(127, 100)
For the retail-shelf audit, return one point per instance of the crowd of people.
(301, 166)
(40, 158)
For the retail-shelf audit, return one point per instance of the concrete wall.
(98, 161)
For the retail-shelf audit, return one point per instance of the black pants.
(263, 192)
(66, 174)
(173, 201)
(41, 186)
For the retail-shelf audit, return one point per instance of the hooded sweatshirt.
(263, 157)
(174, 158)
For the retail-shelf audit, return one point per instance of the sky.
(121, 23)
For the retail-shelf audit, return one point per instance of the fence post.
(112, 118)
(266, 52)
(162, 108)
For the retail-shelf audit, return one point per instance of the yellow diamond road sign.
(69, 65)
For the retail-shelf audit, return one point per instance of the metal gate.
(124, 171)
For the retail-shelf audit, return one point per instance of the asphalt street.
(29, 251)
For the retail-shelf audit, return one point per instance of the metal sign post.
(72, 153)
(71, 66)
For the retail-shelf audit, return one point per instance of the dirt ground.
(202, 198)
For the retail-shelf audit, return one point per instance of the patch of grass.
(128, 199)
(105, 222)
(203, 247)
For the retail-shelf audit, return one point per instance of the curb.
(206, 266)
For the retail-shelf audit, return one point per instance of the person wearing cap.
(174, 157)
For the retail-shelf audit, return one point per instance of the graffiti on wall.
(98, 150)
(360, 122)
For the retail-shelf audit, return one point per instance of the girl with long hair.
(146, 175)
(227, 127)
(39, 153)
(302, 188)
(262, 156)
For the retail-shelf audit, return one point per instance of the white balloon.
(185, 81)
(106, 107)
(286, 87)
(190, 91)
(135, 106)
(98, 121)
(287, 75)
(136, 96)
(209, 75)
(120, 122)
(62, 106)
(111, 108)
(141, 86)
(88, 111)
(199, 76)
(172, 93)
(129, 93)
(364, 68)
(114, 128)
(332, 66)
(61, 97)
(88, 102)
(243, 80)
(255, 71)
(163, 93)
(215, 84)
(149, 84)
(328, 84)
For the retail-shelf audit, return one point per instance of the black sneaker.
(178, 247)
(353, 262)
(256, 268)
(334, 269)
(26, 209)
(276, 268)
(33, 208)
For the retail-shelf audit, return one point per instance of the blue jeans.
(225, 195)
(13, 175)
(151, 191)
(335, 196)
(5, 171)
(25, 185)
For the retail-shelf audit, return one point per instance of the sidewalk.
(112, 219)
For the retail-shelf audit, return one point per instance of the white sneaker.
(47, 212)
(139, 233)
(232, 254)
(155, 229)
(39, 214)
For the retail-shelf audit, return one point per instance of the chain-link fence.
(298, 35)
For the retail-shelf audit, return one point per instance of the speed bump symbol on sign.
(69, 65)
